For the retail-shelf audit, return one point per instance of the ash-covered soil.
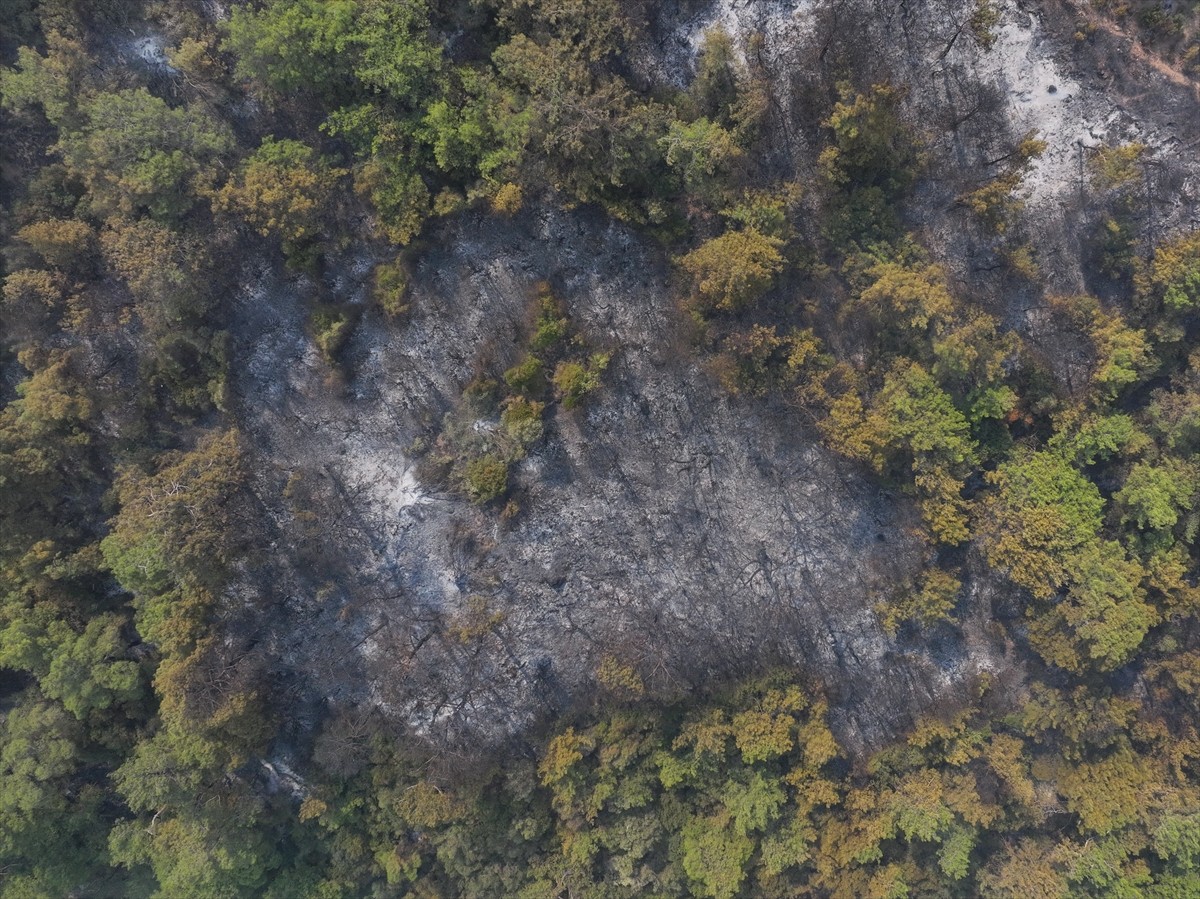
(662, 523)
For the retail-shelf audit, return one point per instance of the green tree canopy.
(1041, 513)
(135, 153)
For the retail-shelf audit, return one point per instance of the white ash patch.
(248, 108)
(373, 647)
(742, 18)
(353, 283)
(280, 777)
(274, 350)
(782, 23)
(1044, 98)
(151, 51)
(215, 11)
(380, 473)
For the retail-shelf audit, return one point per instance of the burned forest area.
(599, 448)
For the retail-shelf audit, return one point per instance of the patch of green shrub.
(331, 329)
(522, 420)
(527, 376)
(390, 288)
(486, 478)
(574, 380)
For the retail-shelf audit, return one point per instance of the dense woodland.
(134, 733)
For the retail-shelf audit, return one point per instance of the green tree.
(175, 537)
(51, 824)
(292, 45)
(912, 429)
(574, 380)
(1121, 355)
(1177, 843)
(598, 141)
(195, 858)
(872, 146)
(733, 270)
(1085, 438)
(869, 165)
(1104, 616)
(394, 55)
(134, 152)
(486, 478)
(1156, 497)
(54, 82)
(715, 853)
(1174, 273)
(283, 188)
(477, 128)
(399, 194)
(89, 673)
(1042, 512)
(701, 152)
